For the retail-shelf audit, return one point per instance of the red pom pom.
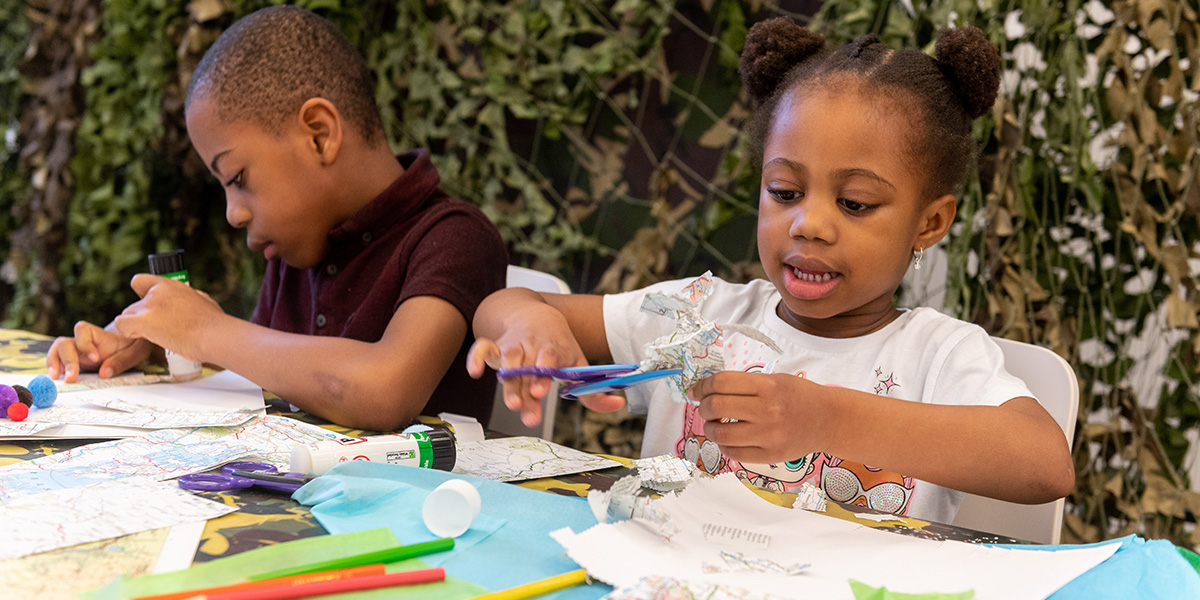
(18, 411)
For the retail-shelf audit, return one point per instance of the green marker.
(380, 556)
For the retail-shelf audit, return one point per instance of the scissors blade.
(574, 391)
(297, 479)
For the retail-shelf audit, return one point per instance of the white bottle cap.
(314, 459)
(451, 508)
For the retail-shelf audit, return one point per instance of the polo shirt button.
(331, 269)
(366, 237)
(320, 320)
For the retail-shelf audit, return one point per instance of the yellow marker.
(537, 588)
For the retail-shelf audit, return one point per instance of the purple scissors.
(240, 475)
(593, 379)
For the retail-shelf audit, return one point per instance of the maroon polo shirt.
(412, 240)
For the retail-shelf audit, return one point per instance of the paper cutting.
(736, 562)
(658, 587)
(697, 346)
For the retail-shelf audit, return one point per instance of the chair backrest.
(1053, 382)
(503, 419)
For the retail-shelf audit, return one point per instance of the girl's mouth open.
(810, 285)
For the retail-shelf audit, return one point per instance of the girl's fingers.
(483, 353)
(602, 402)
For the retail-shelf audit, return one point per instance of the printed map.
(521, 458)
(61, 574)
(41, 522)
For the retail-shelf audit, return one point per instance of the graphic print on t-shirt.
(842, 481)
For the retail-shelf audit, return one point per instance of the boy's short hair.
(268, 63)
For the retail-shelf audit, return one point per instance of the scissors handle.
(585, 373)
(244, 474)
(213, 482)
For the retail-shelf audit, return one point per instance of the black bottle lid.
(167, 262)
(441, 441)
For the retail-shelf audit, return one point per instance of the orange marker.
(334, 575)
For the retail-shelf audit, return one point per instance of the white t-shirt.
(921, 356)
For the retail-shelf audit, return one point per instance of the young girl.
(862, 150)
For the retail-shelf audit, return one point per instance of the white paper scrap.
(664, 473)
(127, 406)
(878, 518)
(522, 458)
(62, 518)
(622, 553)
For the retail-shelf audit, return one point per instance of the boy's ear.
(936, 219)
(322, 124)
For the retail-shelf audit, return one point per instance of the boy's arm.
(517, 326)
(1015, 451)
(378, 386)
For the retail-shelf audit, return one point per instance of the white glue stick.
(433, 449)
(170, 265)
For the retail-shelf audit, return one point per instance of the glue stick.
(170, 265)
(433, 450)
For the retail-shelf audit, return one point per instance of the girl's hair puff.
(943, 94)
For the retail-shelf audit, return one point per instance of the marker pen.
(433, 449)
(170, 265)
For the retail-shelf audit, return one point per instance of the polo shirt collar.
(395, 204)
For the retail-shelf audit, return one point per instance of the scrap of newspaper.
(697, 345)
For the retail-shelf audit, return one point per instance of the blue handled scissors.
(593, 379)
(240, 475)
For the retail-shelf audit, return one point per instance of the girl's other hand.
(761, 418)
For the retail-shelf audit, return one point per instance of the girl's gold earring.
(917, 255)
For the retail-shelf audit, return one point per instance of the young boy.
(373, 272)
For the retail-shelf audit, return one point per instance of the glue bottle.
(170, 265)
(433, 449)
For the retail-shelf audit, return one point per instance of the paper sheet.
(64, 573)
(128, 406)
(63, 518)
(179, 547)
(621, 553)
(522, 458)
(159, 455)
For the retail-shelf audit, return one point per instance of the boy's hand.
(169, 314)
(94, 349)
(543, 340)
(762, 418)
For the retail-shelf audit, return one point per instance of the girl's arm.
(1015, 451)
(517, 327)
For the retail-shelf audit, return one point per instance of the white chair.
(1053, 382)
(503, 419)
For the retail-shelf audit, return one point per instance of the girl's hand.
(538, 336)
(170, 314)
(94, 349)
(762, 418)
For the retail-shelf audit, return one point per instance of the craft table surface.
(268, 518)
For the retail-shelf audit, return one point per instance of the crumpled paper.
(697, 346)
